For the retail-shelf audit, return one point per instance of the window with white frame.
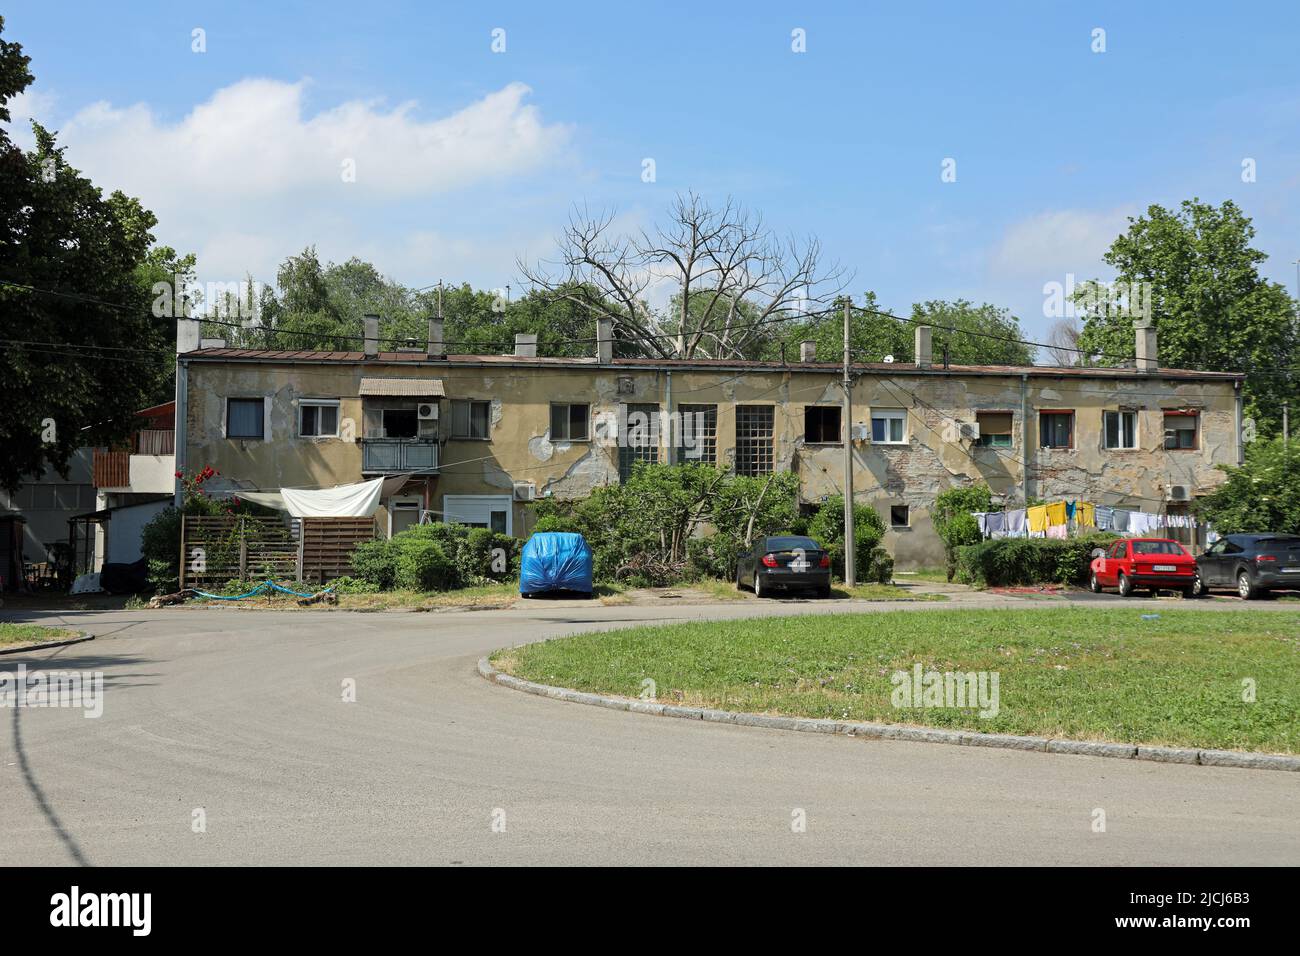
(318, 418)
(888, 426)
(1120, 429)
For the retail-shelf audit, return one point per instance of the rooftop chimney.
(807, 351)
(187, 335)
(924, 346)
(371, 323)
(605, 341)
(526, 344)
(435, 337)
(1146, 352)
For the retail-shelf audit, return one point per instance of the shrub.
(375, 563)
(879, 567)
(1003, 562)
(827, 528)
(423, 566)
(954, 522)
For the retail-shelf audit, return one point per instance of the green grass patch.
(1066, 672)
(883, 592)
(17, 634)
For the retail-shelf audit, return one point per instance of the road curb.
(80, 639)
(929, 735)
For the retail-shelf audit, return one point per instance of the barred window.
(754, 425)
(699, 435)
(638, 437)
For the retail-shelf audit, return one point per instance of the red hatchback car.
(1155, 563)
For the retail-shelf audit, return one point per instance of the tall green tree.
(75, 366)
(973, 334)
(1212, 310)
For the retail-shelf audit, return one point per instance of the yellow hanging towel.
(1085, 514)
(1056, 514)
(1037, 518)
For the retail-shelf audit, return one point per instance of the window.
(821, 424)
(699, 434)
(469, 419)
(900, 516)
(401, 423)
(479, 511)
(995, 429)
(1180, 430)
(889, 426)
(1120, 429)
(318, 418)
(569, 422)
(1056, 429)
(1157, 547)
(638, 437)
(754, 439)
(245, 417)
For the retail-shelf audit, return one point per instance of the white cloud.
(1046, 246)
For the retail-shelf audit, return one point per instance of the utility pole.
(1286, 429)
(850, 569)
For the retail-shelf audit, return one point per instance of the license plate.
(1165, 567)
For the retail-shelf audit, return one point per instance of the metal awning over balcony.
(403, 387)
(394, 456)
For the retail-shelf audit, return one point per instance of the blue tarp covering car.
(555, 561)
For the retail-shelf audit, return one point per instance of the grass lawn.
(1066, 672)
(18, 634)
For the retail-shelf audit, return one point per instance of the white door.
(479, 511)
(402, 514)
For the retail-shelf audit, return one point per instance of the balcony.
(399, 456)
(112, 469)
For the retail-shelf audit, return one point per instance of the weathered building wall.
(932, 457)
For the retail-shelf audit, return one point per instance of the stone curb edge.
(81, 637)
(1206, 758)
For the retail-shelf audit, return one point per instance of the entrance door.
(402, 514)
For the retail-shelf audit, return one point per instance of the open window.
(821, 424)
(1056, 429)
(1120, 430)
(1180, 430)
(995, 429)
(318, 418)
(401, 422)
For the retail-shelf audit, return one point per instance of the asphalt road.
(240, 713)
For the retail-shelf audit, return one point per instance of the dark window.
(498, 520)
(899, 516)
(1180, 430)
(995, 429)
(821, 424)
(1117, 549)
(1157, 547)
(1056, 429)
(469, 419)
(401, 423)
(1120, 429)
(790, 542)
(754, 424)
(244, 417)
(699, 434)
(320, 419)
(638, 438)
(569, 422)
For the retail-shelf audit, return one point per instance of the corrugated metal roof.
(414, 387)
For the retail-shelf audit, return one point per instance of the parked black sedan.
(785, 562)
(1252, 564)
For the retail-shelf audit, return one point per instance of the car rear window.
(1278, 542)
(1157, 547)
(790, 542)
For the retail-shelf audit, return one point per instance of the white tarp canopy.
(360, 500)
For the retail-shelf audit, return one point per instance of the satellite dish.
(889, 360)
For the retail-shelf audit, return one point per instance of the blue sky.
(466, 159)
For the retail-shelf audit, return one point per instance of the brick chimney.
(605, 341)
(924, 346)
(526, 344)
(1146, 351)
(371, 323)
(435, 337)
(807, 351)
(187, 335)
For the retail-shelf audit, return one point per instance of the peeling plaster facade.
(932, 456)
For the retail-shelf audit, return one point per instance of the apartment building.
(476, 437)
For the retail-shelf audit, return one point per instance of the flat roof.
(306, 357)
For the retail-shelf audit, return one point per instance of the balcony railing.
(397, 456)
(112, 469)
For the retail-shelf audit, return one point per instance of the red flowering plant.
(199, 501)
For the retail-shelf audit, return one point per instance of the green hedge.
(436, 557)
(1001, 562)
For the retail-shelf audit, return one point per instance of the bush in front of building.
(871, 562)
(1007, 562)
(437, 557)
(954, 522)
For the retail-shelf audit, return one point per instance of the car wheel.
(1093, 584)
(1244, 587)
(759, 590)
(1198, 587)
(1125, 586)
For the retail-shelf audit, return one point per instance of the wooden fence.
(220, 548)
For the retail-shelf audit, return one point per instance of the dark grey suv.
(786, 562)
(1251, 564)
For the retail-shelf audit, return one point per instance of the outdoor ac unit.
(970, 430)
(428, 411)
(525, 491)
(1178, 493)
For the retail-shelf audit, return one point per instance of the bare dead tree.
(1063, 342)
(733, 279)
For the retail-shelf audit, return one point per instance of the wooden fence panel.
(220, 548)
(327, 546)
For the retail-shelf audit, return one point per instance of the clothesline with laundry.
(1064, 519)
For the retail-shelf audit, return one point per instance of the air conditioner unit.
(1177, 493)
(428, 411)
(525, 491)
(970, 430)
